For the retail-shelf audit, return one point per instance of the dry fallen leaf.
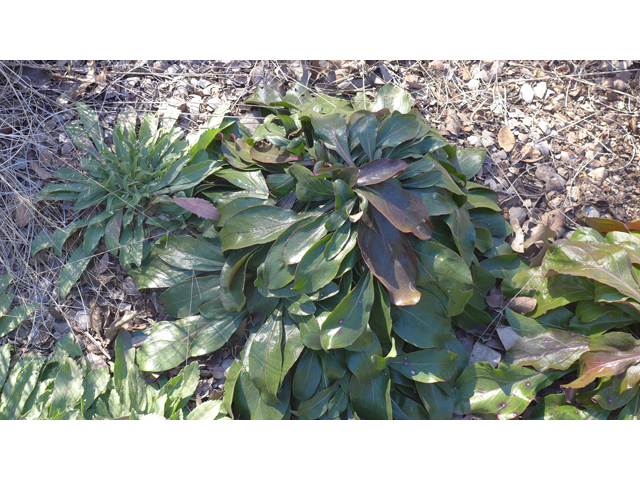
(199, 206)
(22, 214)
(546, 231)
(495, 301)
(523, 304)
(506, 139)
(41, 172)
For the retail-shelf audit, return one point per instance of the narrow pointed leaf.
(265, 357)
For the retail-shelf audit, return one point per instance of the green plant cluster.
(352, 238)
(62, 387)
(144, 183)
(11, 318)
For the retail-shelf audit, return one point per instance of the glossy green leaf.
(256, 225)
(155, 273)
(310, 188)
(210, 410)
(232, 278)
(171, 343)
(555, 407)
(425, 366)
(247, 180)
(468, 161)
(191, 253)
(317, 405)
(505, 266)
(332, 130)
(393, 98)
(251, 405)
(464, 233)
(349, 319)
(307, 375)
(437, 200)
(265, 356)
(396, 130)
(19, 385)
(67, 387)
(185, 298)
(424, 325)
(94, 385)
(371, 398)
(522, 325)
(302, 239)
(437, 403)
(404, 408)
(501, 393)
(365, 130)
(15, 317)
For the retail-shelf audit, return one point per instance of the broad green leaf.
(247, 180)
(302, 239)
(468, 161)
(315, 271)
(334, 365)
(586, 234)
(19, 385)
(555, 407)
(437, 200)
(594, 319)
(292, 345)
(371, 398)
(505, 266)
(190, 253)
(180, 389)
(232, 278)
(501, 393)
(424, 324)
(438, 404)
(551, 349)
(310, 188)
(67, 388)
(490, 220)
(15, 317)
(5, 358)
(522, 325)
(94, 385)
(608, 355)
(307, 375)
(265, 356)
(404, 408)
(273, 155)
(403, 209)
(155, 273)
(389, 256)
(211, 410)
(171, 343)
(42, 241)
(230, 384)
(464, 233)
(393, 98)
(256, 225)
(332, 130)
(317, 405)
(251, 405)
(365, 130)
(425, 366)
(396, 130)
(338, 241)
(349, 319)
(185, 298)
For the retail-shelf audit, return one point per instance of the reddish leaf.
(403, 209)
(551, 349)
(633, 225)
(604, 225)
(199, 206)
(380, 170)
(389, 256)
(609, 355)
(273, 154)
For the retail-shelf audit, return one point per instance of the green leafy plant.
(584, 328)
(144, 183)
(11, 318)
(66, 387)
(355, 245)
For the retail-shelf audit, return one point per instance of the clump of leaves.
(144, 183)
(66, 387)
(355, 246)
(11, 318)
(585, 327)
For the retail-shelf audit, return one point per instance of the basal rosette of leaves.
(145, 182)
(11, 318)
(65, 386)
(355, 246)
(586, 323)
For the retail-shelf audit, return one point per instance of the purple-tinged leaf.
(608, 264)
(403, 209)
(365, 130)
(551, 349)
(633, 225)
(380, 170)
(273, 154)
(199, 206)
(389, 256)
(610, 354)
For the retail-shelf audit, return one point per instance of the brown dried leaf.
(41, 172)
(22, 214)
(506, 139)
(545, 232)
(199, 206)
(495, 301)
(523, 304)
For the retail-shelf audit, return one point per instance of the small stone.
(527, 121)
(218, 372)
(619, 85)
(160, 66)
(61, 327)
(543, 148)
(226, 364)
(517, 214)
(82, 319)
(508, 337)
(544, 127)
(544, 173)
(527, 93)
(250, 120)
(482, 353)
(598, 174)
(540, 89)
(556, 182)
(574, 193)
(591, 212)
(473, 140)
(473, 84)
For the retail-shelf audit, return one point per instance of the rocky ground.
(561, 140)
